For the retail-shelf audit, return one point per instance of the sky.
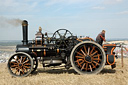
(81, 17)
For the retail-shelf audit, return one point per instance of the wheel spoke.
(85, 49)
(95, 62)
(83, 52)
(78, 60)
(27, 64)
(22, 71)
(65, 44)
(90, 67)
(88, 50)
(93, 53)
(65, 33)
(92, 50)
(26, 67)
(59, 34)
(81, 62)
(25, 61)
(21, 59)
(14, 66)
(83, 66)
(96, 59)
(18, 59)
(24, 58)
(14, 63)
(16, 70)
(80, 54)
(79, 57)
(96, 55)
(93, 65)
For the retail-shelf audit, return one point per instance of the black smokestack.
(25, 32)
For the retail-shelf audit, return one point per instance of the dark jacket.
(100, 38)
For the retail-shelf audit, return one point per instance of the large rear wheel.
(88, 57)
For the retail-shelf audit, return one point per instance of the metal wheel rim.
(62, 38)
(82, 66)
(57, 32)
(20, 64)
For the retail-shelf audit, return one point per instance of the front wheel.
(88, 57)
(20, 64)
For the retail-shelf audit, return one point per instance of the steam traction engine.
(83, 54)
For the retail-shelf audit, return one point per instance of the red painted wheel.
(20, 64)
(88, 57)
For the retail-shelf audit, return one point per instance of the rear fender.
(109, 48)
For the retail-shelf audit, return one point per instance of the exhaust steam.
(6, 23)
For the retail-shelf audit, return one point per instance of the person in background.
(101, 37)
(39, 37)
(40, 32)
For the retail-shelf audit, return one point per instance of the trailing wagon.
(84, 55)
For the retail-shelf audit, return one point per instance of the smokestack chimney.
(25, 32)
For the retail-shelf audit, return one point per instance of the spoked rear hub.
(20, 64)
(88, 57)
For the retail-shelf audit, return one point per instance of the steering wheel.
(61, 37)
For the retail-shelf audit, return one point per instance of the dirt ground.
(60, 76)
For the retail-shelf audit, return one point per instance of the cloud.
(17, 5)
(123, 12)
(112, 1)
(53, 2)
(98, 7)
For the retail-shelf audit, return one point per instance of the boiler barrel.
(44, 52)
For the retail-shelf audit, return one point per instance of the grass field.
(61, 76)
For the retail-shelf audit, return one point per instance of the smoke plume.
(5, 22)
